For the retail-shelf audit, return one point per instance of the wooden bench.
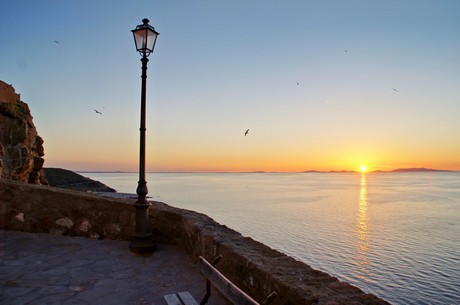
(229, 290)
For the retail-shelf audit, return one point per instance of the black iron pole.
(142, 239)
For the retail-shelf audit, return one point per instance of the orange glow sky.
(220, 68)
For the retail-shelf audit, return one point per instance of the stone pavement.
(49, 269)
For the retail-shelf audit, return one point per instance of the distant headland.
(67, 179)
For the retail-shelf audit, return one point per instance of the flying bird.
(246, 132)
(97, 112)
(56, 41)
(298, 83)
(395, 90)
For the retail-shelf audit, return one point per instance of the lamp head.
(145, 37)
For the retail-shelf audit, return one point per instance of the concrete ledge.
(254, 267)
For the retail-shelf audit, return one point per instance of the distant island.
(398, 170)
(415, 169)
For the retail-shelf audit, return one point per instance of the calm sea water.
(396, 235)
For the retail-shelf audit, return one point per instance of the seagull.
(97, 112)
(395, 90)
(246, 132)
(298, 83)
(346, 51)
(56, 41)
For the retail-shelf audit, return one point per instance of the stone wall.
(44, 209)
(254, 267)
(21, 148)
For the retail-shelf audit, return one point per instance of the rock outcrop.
(21, 148)
(66, 179)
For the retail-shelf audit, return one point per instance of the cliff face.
(21, 148)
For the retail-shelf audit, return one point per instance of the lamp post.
(145, 37)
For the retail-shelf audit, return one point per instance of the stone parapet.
(45, 209)
(251, 265)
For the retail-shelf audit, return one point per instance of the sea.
(395, 235)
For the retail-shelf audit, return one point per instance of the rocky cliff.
(21, 148)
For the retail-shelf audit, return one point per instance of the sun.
(363, 168)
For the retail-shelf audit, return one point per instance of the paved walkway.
(48, 269)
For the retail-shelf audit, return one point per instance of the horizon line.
(396, 170)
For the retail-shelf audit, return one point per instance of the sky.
(321, 85)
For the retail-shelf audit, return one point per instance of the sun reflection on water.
(362, 233)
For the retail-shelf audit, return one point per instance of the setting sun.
(363, 168)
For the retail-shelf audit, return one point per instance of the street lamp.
(145, 37)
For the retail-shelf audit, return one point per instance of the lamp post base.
(142, 244)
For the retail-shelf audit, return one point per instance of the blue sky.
(221, 67)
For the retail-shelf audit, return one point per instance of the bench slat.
(172, 299)
(225, 286)
(182, 298)
(187, 298)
